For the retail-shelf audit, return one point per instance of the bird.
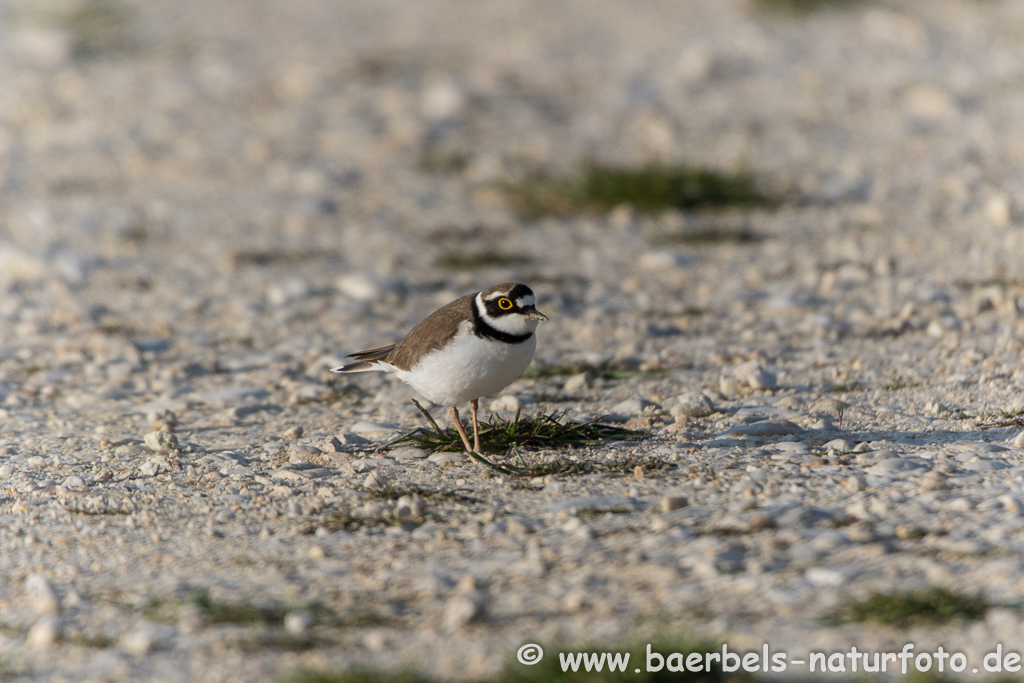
(472, 347)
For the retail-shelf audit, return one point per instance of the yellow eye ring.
(504, 303)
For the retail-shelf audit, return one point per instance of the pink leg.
(473, 405)
(454, 413)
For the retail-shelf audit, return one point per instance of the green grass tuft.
(933, 605)
(499, 436)
(649, 188)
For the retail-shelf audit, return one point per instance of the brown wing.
(433, 332)
(373, 354)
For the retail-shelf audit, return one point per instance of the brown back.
(432, 333)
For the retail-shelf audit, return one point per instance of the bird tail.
(365, 361)
(358, 366)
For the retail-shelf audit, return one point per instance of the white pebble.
(691, 404)
(45, 632)
(41, 593)
(505, 403)
(146, 637)
(161, 442)
(298, 622)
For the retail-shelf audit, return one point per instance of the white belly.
(468, 368)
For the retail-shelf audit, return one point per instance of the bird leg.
(473, 405)
(454, 413)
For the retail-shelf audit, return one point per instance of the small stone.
(691, 404)
(448, 458)
(1000, 210)
(299, 622)
(670, 503)
(155, 466)
(375, 480)
(854, 483)
(662, 259)
(36, 461)
(960, 504)
(409, 453)
(505, 403)
(933, 481)
(896, 465)
(146, 637)
(581, 382)
(369, 287)
(301, 452)
(978, 464)
(332, 445)
(760, 521)
(908, 532)
(731, 559)
(463, 608)
(191, 618)
(163, 421)
(753, 376)
(351, 439)
(45, 632)
(764, 428)
(74, 483)
(825, 576)
(41, 593)
(294, 432)
(839, 445)
(630, 407)
(410, 507)
(288, 292)
(372, 429)
(161, 442)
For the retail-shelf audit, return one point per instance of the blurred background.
(283, 170)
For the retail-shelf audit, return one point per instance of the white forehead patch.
(528, 300)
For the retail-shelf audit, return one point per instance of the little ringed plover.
(474, 346)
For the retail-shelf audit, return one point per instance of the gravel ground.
(205, 205)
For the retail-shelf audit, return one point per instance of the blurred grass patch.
(95, 29)
(648, 188)
(709, 235)
(935, 605)
(444, 162)
(458, 259)
(803, 6)
(99, 28)
(224, 612)
(608, 369)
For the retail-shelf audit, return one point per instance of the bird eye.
(504, 303)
